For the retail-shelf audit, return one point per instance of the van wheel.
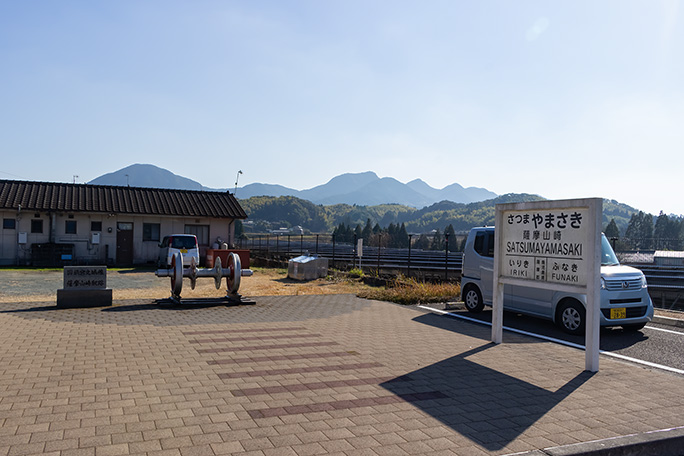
(473, 300)
(571, 317)
(634, 327)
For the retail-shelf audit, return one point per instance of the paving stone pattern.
(300, 376)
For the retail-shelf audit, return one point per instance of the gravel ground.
(35, 285)
(126, 284)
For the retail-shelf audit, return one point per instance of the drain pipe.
(53, 227)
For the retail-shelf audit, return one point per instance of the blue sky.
(561, 99)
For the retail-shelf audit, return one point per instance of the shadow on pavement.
(185, 304)
(486, 406)
(33, 309)
(612, 338)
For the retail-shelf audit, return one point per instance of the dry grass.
(274, 282)
(410, 291)
(264, 282)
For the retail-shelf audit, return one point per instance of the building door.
(124, 244)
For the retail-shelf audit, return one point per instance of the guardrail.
(665, 285)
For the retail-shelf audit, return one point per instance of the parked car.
(624, 294)
(186, 244)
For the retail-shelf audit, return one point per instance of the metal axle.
(233, 272)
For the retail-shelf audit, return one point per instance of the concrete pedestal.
(84, 298)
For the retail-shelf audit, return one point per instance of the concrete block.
(84, 298)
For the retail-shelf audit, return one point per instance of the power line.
(14, 175)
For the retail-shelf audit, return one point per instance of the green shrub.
(356, 273)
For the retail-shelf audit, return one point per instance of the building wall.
(86, 248)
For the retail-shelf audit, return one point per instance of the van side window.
(484, 244)
(479, 243)
(490, 245)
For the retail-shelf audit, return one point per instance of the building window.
(36, 226)
(95, 226)
(70, 226)
(9, 224)
(151, 232)
(201, 231)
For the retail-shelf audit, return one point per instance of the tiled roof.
(49, 196)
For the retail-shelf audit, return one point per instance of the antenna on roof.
(127, 182)
(75, 177)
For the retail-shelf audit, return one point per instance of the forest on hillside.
(635, 229)
(268, 213)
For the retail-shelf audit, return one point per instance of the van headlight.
(643, 281)
(603, 283)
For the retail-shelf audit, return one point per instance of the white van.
(624, 297)
(186, 244)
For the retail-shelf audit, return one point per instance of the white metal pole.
(497, 287)
(593, 310)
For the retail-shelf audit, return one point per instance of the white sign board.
(547, 246)
(553, 245)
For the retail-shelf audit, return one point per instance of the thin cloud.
(537, 29)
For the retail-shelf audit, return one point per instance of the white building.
(56, 223)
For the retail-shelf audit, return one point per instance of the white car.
(624, 294)
(186, 244)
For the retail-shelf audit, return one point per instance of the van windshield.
(608, 257)
(183, 242)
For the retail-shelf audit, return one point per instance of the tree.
(453, 242)
(367, 232)
(667, 232)
(437, 241)
(358, 232)
(660, 232)
(402, 237)
(340, 233)
(640, 230)
(423, 243)
(612, 230)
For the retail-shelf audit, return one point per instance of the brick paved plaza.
(302, 375)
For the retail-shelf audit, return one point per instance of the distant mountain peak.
(148, 176)
(363, 189)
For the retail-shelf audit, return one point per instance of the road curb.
(665, 442)
(668, 321)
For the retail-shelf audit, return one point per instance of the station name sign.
(545, 245)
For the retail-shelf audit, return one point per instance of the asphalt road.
(659, 344)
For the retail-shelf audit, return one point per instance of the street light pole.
(237, 176)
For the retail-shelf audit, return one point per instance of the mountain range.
(363, 189)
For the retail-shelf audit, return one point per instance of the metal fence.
(624, 244)
(666, 283)
(374, 259)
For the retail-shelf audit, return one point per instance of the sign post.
(554, 245)
(359, 250)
